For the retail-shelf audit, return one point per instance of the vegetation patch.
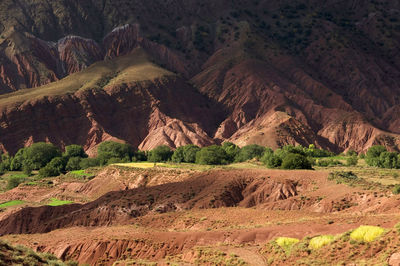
(57, 202)
(11, 203)
(320, 241)
(286, 242)
(367, 233)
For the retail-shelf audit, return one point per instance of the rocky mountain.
(178, 72)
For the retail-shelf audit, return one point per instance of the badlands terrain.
(134, 213)
(321, 74)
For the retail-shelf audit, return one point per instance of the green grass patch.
(367, 233)
(286, 242)
(320, 241)
(80, 173)
(57, 202)
(11, 203)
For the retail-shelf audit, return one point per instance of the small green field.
(57, 202)
(11, 203)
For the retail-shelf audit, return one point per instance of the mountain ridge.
(277, 72)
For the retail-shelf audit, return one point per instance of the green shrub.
(212, 155)
(396, 189)
(89, 162)
(249, 152)
(373, 154)
(14, 181)
(295, 161)
(178, 156)
(75, 151)
(17, 161)
(343, 177)
(352, 161)
(27, 168)
(161, 153)
(139, 156)
(111, 149)
(389, 160)
(351, 153)
(271, 160)
(73, 164)
(231, 150)
(328, 162)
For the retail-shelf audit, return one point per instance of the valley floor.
(180, 215)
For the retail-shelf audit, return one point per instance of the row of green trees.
(289, 157)
(379, 156)
(50, 161)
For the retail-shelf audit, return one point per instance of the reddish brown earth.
(244, 209)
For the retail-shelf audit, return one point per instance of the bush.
(40, 154)
(351, 153)
(396, 189)
(320, 241)
(296, 161)
(75, 151)
(185, 154)
(139, 156)
(271, 160)
(249, 152)
(89, 162)
(328, 162)
(160, 154)
(17, 161)
(189, 153)
(389, 160)
(352, 160)
(373, 154)
(73, 164)
(367, 233)
(231, 150)
(54, 168)
(178, 156)
(14, 181)
(2, 169)
(111, 149)
(286, 243)
(212, 155)
(27, 168)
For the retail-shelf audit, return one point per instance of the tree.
(250, 152)
(213, 155)
(373, 154)
(161, 153)
(111, 149)
(178, 156)
(296, 161)
(189, 153)
(231, 150)
(389, 160)
(271, 160)
(17, 161)
(75, 151)
(73, 164)
(40, 154)
(54, 168)
(89, 162)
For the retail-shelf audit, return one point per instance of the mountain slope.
(271, 72)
